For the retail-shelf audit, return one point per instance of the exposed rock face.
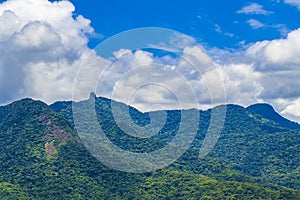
(50, 149)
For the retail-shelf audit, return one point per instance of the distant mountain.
(42, 157)
(266, 111)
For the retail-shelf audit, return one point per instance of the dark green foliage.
(249, 144)
(255, 157)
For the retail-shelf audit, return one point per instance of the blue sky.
(213, 23)
(251, 49)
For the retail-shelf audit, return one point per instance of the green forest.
(257, 155)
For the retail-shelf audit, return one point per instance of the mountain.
(267, 112)
(33, 139)
(260, 147)
(250, 141)
(42, 157)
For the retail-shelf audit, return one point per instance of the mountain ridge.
(264, 109)
(257, 108)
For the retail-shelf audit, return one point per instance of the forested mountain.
(266, 111)
(42, 157)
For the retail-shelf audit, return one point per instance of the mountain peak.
(92, 95)
(267, 111)
(28, 102)
(261, 107)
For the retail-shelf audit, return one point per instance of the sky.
(213, 52)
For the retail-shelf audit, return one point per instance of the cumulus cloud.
(242, 84)
(191, 80)
(278, 61)
(41, 44)
(282, 54)
(143, 80)
(254, 8)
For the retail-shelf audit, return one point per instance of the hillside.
(254, 142)
(42, 157)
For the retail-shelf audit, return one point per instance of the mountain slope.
(266, 150)
(249, 143)
(33, 143)
(41, 157)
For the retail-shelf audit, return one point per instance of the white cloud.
(254, 8)
(42, 47)
(255, 24)
(242, 83)
(45, 38)
(175, 44)
(267, 71)
(282, 29)
(146, 81)
(293, 2)
(197, 57)
(121, 52)
(279, 62)
(281, 54)
(141, 79)
(292, 111)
